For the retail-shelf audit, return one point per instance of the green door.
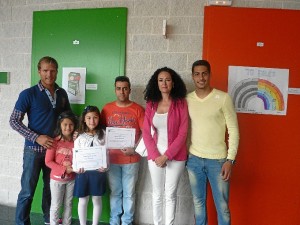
(91, 38)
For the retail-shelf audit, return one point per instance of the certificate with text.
(119, 138)
(89, 158)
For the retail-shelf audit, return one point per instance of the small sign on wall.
(4, 77)
(93, 87)
(74, 79)
(259, 90)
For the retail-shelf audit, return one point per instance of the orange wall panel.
(265, 186)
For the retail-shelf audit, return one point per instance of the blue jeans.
(122, 179)
(200, 170)
(33, 163)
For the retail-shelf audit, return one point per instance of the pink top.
(58, 157)
(177, 131)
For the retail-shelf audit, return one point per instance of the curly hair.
(82, 125)
(65, 115)
(152, 92)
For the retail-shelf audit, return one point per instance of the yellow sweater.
(209, 118)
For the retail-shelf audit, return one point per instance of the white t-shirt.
(160, 122)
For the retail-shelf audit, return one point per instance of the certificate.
(119, 138)
(89, 158)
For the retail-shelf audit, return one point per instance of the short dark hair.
(152, 92)
(201, 62)
(122, 79)
(49, 60)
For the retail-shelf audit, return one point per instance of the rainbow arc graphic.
(248, 89)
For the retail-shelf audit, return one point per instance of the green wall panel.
(102, 39)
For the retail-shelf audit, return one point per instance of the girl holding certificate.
(91, 182)
(167, 116)
(59, 160)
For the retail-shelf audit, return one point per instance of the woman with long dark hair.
(164, 133)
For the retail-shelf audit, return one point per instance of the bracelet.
(231, 160)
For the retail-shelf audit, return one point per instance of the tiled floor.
(7, 217)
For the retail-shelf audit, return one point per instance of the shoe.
(47, 223)
(60, 221)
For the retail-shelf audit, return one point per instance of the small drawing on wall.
(74, 79)
(258, 90)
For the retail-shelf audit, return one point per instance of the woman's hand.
(102, 169)
(81, 170)
(69, 169)
(128, 151)
(161, 161)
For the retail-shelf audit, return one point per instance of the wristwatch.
(231, 160)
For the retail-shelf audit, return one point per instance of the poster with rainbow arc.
(258, 90)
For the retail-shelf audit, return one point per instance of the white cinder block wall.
(146, 51)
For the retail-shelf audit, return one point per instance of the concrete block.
(139, 78)
(151, 8)
(3, 201)
(138, 60)
(4, 166)
(57, 6)
(176, 61)
(157, 27)
(12, 199)
(291, 5)
(138, 94)
(16, 29)
(129, 41)
(184, 188)
(15, 169)
(20, 77)
(186, 8)
(185, 43)
(5, 14)
(36, 2)
(1, 31)
(153, 43)
(184, 212)
(175, 25)
(185, 205)
(23, 13)
(28, 29)
(192, 57)
(16, 153)
(139, 25)
(4, 135)
(17, 2)
(196, 25)
(17, 45)
(53, 2)
(83, 5)
(3, 48)
(10, 96)
(14, 61)
(129, 4)
(144, 209)
(144, 184)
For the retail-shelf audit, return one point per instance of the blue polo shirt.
(42, 117)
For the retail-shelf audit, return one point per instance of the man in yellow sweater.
(210, 159)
